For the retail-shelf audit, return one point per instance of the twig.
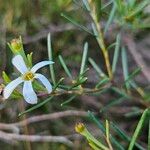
(14, 127)
(34, 138)
(51, 117)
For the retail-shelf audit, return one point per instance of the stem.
(100, 40)
(90, 137)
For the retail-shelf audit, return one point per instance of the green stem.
(101, 43)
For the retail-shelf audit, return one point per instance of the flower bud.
(16, 45)
(79, 127)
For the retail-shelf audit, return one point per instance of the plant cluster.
(127, 16)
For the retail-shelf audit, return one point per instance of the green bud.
(79, 127)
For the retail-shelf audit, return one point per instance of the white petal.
(11, 86)
(19, 63)
(28, 93)
(44, 81)
(40, 65)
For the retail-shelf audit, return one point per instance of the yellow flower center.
(28, 76)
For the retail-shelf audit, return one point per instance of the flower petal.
(28, 93)
(44, 81)
(11, 86)
(19, 63)
(40, 65)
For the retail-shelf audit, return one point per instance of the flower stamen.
(28, 76)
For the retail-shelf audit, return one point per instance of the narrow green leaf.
(93, 146)
(112, 103)
(110, 19)
(138, 8)
(86, 4)
(107, 129)
(58, 83)
(120, 92)
(83, 73)
(101, 127)
(131, 3)
(76, 24)
(102, 82)
(79, 82)
(84, 57)
(133, 74)
(111, 46)
(137, 88)
(135, 112)
(51, 58)
(116, 53)
(138, 129)
(5, 77)
(107, 4)
(69, 100)
(95, 66)
(125, 66)
(65, 66)
(29, 58)
(123, 135)
(36, 106)
(94, 30)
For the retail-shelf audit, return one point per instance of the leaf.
(95, 66)
(5, 77)
(107, 4)
(107, 129)
(110, 19)
(137, 88)
(138, 8)
(50, 58)
(120, 92)
(135, 112)
(36, 106)
(112, 103)
(69, 100)
(93, 146)
(116, 53)
(29, 58)
(86, 4)
(125, 66)
(76, 24)
(84, 57)
(123, 135)
(65, 66)
(138, 129)
(101, 127)
(133, 74)
(102, 82)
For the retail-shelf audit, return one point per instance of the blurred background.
(33, 20)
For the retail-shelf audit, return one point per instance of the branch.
(50, 117)
(34, 138)
(14, 127)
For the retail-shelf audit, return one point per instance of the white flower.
(27, 76)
